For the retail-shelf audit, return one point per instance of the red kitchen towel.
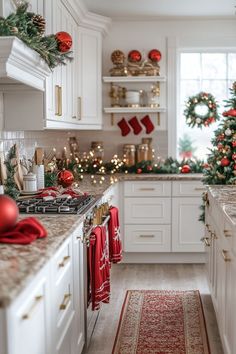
(99, 267)
(24, 232)
(115, 246)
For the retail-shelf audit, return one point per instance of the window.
(209, 72)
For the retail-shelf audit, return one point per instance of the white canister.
(39, 171)
(30, 182)
(132, 97)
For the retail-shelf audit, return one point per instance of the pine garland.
(10, 187)
(22, 25)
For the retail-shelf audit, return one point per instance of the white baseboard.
(133, 257)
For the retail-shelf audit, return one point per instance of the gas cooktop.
(64, 204)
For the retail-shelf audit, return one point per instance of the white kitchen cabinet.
(221, 273)
(187, 230)
(90, 85)
(29, 329)
(79, 290)
(73, 94)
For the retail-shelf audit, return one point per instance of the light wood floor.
(151, 276)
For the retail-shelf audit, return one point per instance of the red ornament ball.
(139, 170)
(185, 169)
(225, 162)
(134, 56)
(149, 168)
(8, 213)
(65, 178)
(234, 143)
(234, 156)
(64, 41)
(154, 55)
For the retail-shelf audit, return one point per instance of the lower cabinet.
(28, 319)
(187, 230)
(162, 216)
(48, 317)
(221, 269)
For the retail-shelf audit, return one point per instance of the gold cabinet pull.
(58, 101)
(199, 189)
(206, 241)
(64, 261)
(27, 315)
(146, 189)
(227, 233)
(147, 236)
(65, 301)
(79, 108)
(224, 255)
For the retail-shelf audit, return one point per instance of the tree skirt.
(161, 322)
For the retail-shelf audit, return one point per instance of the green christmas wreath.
(201, 110)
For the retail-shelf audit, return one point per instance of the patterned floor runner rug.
(161, 322)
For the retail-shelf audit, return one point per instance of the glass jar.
(129, 154)
(148, 141)
(142, 152)
(97, 149)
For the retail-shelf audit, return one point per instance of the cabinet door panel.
(29, 319)
(147, 210)
(187, 231)
(90, 78)
(147, 238)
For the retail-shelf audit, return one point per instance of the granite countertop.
(19, 263)
(225, 196)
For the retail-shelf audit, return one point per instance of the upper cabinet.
(90, 87)
(71, 98)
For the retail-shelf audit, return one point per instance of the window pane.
(232, 66)
(214, 66)
(188, 62)
(211, 75)
(189, 88)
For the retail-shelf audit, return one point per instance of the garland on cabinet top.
(201, 110)
(30, 28)
(135, 65)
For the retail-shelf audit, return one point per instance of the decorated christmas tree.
(221, 167)
(186, 149)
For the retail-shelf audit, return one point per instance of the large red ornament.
(64, 41)
(134, 56)
(139, 170)
(225, 162)
(230, 113)
(185, 169)
(65, 178)
(8, 213)
(154, 55)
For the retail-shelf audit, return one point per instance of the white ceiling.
(162, 8)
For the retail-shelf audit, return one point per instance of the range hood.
(20, 64)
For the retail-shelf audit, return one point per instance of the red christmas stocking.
(124, 127)
(137, 128)
(146, 121)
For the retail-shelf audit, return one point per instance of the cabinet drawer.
(147, 210)
(147, 189)
(187, 188)
(62, 305)
(149, 238)
(62, 261)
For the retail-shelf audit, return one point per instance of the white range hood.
(19, 64)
